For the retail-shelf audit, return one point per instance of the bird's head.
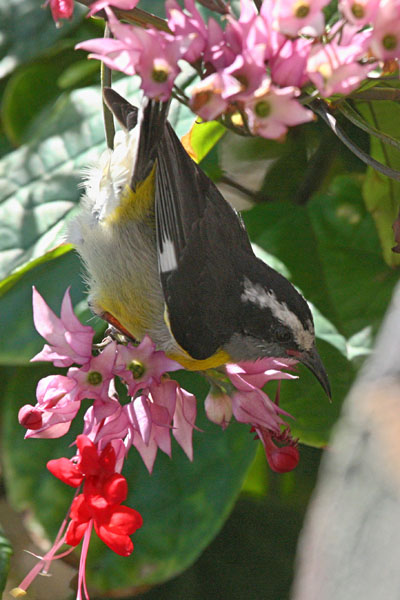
(275, 320)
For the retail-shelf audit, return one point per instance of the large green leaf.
(183, 504)
(39, 183)
(27, 30)
(382, 194)
(332, 252)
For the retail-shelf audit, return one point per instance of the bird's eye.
(282, 334)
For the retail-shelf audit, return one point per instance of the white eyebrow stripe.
(167, 258)
(256, 294)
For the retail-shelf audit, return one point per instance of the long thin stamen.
(82, 563)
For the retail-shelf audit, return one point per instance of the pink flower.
(184, 420)
(150, 53)
(359, 12)
(247, 31)
(70, 341)
(218, 407)
(158, 62)
(147, 421)
(121, 53)
(217, 52)
(121, 4)
(60, 9)
(248, 376)
(209, 95)
(255, 408)
(294, 17)
(281, 459)
(188, 28)
(93, 381)
(249, 70)
(288, 65)
(140, 366)
(333, 67)
(385, 38)
(273, 110)
(56, 408)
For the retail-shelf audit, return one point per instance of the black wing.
(152, 118)
(201, 243)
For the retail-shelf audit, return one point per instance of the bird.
(167, 256)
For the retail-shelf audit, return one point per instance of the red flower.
(103, 492)
(113, 523)
(89, 463)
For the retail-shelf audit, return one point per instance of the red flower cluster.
(100, 503)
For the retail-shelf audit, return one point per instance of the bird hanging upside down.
(167, 256)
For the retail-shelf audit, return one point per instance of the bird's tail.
(151, 118)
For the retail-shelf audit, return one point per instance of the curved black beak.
(312, 361)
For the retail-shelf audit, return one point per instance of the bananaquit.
(167, 256)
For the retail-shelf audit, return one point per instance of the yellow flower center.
(325, 70)
(160, 74)
(137, 369)
(358, 10)
(262, 109)
(301, 9)
(389, 42)
(94, 378)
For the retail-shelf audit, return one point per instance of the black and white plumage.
(215, 300)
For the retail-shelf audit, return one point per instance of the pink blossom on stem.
(249, 70)
(359, 12)
(217, 52)
(121, 53)
(272, 110)
(184, 420)
(294, 17)
(385, 38)
(188, 28)
(218, 407)
(209, 95)
(281, 459)
(60, 9)
(256, 408)
(121, 4)
(55, 410)
(157, 64)
(334, 67)
(140, 366)
(69, 341)
(246, 31)
(93, 381)
(247, 376)
(288, 64)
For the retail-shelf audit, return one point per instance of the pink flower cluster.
(155, 406)
(254, 69)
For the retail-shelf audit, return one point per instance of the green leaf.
(202, 137)
(332, 252)
(33, 87)
(183, 504)
(382, 194)
(5, 555)
(27, 30)
(39, 183)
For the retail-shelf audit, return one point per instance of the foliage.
(320, 216)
